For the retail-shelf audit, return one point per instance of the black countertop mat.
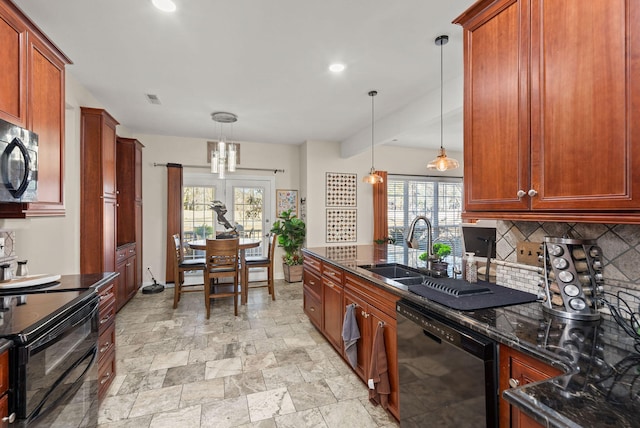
(500, 296)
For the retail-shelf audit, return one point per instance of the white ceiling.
(267, 61)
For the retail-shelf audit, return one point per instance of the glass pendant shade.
(225, 156)
(442, 162)
(372, 178)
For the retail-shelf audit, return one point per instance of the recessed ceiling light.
(337, 68)
(164, 5)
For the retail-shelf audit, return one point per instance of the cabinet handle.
(312, 309)
(514, 383)
(364, 314)
(330, 284)
(312, 283)
(521, 193)
(105, 347)
(11, 418)
(105, 378)
(105, 319)
(332, 273)
(128, 264)
(532, 193)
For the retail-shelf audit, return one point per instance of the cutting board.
(29, 281)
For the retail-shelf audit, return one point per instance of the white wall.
(52, 244)
(323, 157)
(192, 151)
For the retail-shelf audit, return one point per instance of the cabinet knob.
(105, 378)
(11, 418)
(532, 193)
(521, 193)
(514, 383)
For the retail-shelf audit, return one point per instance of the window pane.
(438, 199)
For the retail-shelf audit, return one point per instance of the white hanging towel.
(350, 334)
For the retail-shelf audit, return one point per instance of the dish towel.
(350, 334)
(379, 386)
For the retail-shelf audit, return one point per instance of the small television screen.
(476, 240)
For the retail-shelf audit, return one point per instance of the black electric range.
(54, 329)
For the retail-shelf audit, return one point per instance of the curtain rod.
(275, 171)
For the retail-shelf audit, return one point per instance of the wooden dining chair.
(265, 261)
(221, 261)
(180, 266)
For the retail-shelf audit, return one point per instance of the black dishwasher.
(447, 373)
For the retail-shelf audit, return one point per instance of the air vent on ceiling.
(153, 99)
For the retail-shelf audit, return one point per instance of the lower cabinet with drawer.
(518, 369)
(106, 338)
(127, 280)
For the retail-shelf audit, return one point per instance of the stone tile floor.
(268, 367)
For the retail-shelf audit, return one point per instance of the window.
(437, 198)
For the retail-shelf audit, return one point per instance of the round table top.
(244, 243)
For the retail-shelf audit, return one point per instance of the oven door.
(56, 375)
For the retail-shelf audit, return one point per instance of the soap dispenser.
(472, 268)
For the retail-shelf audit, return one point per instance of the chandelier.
(224, 156)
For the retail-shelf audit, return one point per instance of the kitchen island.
(596, 385)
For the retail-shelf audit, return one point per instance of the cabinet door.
(376, 318)
(496, 108)
(332, 313)
(13, 88)
(519, 369)
(585, 102)
(109, 234)
(312, 308)
(131, 277)
(364, 343)
(121, 285)
(46, 118)
(109, 160)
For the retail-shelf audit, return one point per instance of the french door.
(248, 201)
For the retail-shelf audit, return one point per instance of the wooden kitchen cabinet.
(98, 204)
(4, 389)
(129, 182)
(327, 291)
(374, 308)
(519, 369)
(312, 291)
(126, 266)
(32, 95)
(106, 338)
(552, 110)
(332, 306)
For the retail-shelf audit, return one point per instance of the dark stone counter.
(601, 386)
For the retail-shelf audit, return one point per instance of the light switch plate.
(527, 253)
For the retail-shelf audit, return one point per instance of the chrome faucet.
(411, 243)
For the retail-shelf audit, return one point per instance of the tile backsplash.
(7, 253)
(620, 244)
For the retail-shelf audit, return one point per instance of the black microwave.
(18, 164)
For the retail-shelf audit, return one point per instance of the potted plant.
(440, 251)
(291, 232)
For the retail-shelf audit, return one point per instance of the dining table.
(243, 245)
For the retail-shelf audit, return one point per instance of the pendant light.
(442, 162)
(225, 155)
(372, 178)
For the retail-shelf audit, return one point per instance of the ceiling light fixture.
(372, 178)
(337, 68)
(442, 162)
(225, 155)
(164, 5)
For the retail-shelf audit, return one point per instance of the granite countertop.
(599, 387)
